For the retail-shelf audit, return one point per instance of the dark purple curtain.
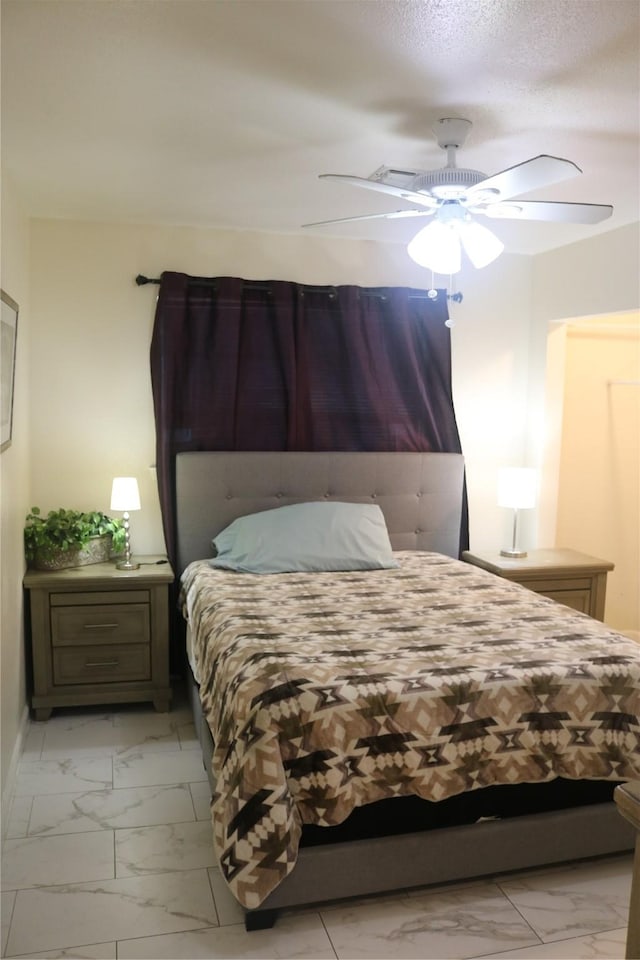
(245, 365)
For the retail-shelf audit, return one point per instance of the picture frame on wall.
(8, 340)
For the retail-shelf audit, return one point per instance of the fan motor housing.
(449, 183)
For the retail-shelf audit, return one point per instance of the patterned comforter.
(326, 691)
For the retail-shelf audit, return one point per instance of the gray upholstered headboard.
(420, 494)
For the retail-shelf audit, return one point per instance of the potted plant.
(71, 538)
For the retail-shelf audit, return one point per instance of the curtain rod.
(141, 281)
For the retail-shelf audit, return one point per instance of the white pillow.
(316, 536)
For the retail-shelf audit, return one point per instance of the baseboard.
(9, 785)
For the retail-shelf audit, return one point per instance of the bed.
(298, 819)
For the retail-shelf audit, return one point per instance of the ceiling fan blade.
(412, 195)
(551, 211)
(396, 215)
(523, 177)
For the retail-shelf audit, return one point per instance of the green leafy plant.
(62, 530)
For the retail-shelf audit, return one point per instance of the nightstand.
(100, 635)
(574, 579)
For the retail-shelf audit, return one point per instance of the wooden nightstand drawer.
(98, 596)
(101, 624)
(574, 592)
(559, 582)
(109, 663)
(576, 599)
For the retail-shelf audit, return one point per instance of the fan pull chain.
(450, 322)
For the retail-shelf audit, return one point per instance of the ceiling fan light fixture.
(480, 244)
(437, 247)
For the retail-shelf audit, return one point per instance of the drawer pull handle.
(102, 663)
(100, 626)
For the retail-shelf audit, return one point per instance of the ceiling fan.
(453, 196)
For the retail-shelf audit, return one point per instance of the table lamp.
(125, 496)
(516, 489)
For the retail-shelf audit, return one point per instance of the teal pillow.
(306, 537)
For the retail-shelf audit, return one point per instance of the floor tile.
(142, 733)
(32, 745)
(78, 736)
(596, 946)
(150, 769)
(38, 861)
(144, 717)
(228, 908)
(201, 793)
(458, 924)
(572, 903)
(36, 777)
(187, 736)
(17, 824)
(146, 733)
(176, 846)
(51, 917)
(107, 809)
(69, 718)
(7, 900)
(297, 937)
(95, 951)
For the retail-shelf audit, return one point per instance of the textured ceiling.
(223, 114)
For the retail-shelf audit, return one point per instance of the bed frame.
(421, 496)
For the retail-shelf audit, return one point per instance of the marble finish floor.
(107, 853)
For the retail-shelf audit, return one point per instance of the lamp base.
(513, 553)
(127, 565)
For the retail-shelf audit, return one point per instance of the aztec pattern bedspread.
(326, 691)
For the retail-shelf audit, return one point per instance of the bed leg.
(259, 919)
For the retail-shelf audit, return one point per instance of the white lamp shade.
(517, 488)
(480, 244)
(125, 495)
(437, 248)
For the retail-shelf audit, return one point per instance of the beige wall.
(14, 493)
(594, 277)
(599, 488)
(491, 381)
(598, 276)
